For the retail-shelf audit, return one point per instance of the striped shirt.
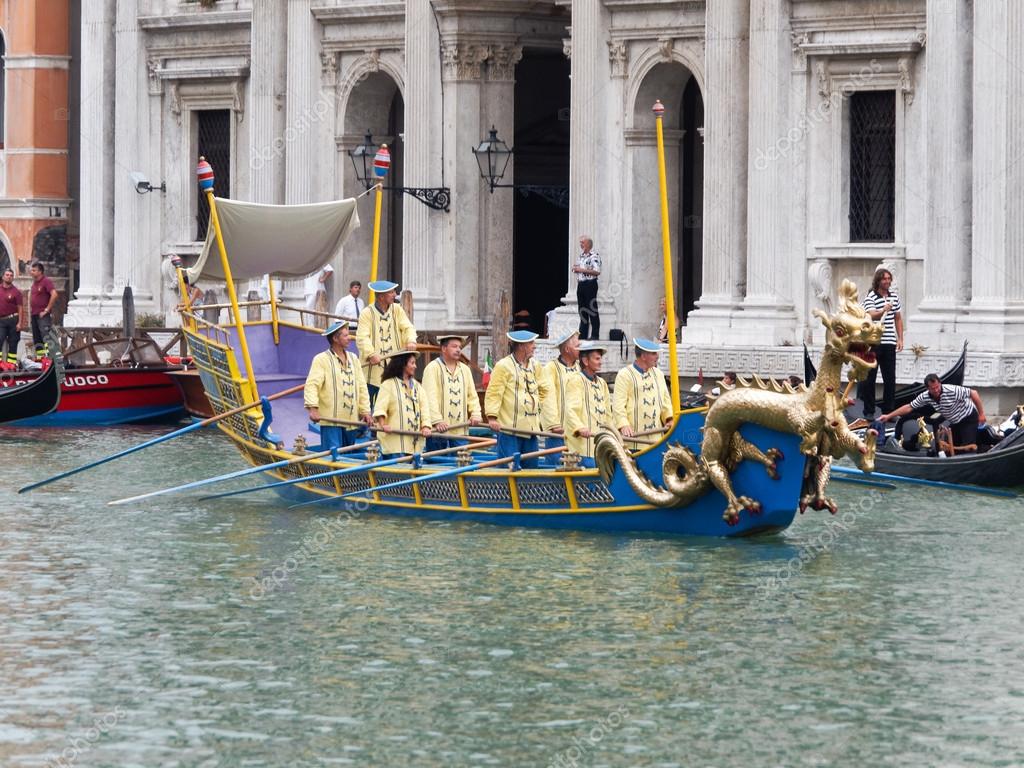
(875, 303)
(954, 404)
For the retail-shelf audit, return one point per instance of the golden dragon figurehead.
(850, 334)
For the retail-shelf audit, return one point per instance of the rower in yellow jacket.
(383, 328)
(588, 404)
(557, 372)
(513, 400)
(401, 405)
(336, 390)
(449, 385)
(641, 400)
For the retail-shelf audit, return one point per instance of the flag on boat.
(488, 367)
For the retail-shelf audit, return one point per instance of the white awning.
(282, 240)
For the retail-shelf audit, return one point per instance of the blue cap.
(336, 326)
(382, 286)
(593, 346)
(566, 336)
(646, 345)
(521, 337)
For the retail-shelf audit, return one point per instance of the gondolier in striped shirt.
(882, 304)
(960, 406)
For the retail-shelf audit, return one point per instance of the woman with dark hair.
(402, 405)
(882, 304)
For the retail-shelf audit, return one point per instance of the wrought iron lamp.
(492, 156)
(438, 198)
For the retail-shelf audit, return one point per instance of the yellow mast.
(381, 165)
(273, 309)
(666, 253)
(186, 298)
(205, 174)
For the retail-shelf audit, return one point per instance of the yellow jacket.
(553, 407)
(452, 397)
(641, 400)
(403, 407)
(515, 394)
(378, 334)
(336, 387)
(588, 405)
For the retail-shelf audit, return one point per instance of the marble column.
(947, 263)
(768, 316)
(425, 232)
(462, 238)
(302, 87)
(266, 119)
(93, 304)
(996, 315)
(725, 171)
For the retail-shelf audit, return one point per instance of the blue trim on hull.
(778, 497)
(99, 417)
(683, 522)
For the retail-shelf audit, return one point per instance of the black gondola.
(1002, 465)
(37, 398)
(904, 395)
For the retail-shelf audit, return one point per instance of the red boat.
(114, 381)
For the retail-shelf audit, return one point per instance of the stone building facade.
(807, 141)
(34, 134)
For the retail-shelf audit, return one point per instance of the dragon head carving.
(850, 334)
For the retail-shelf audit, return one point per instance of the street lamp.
(438, 198)
(492, 156)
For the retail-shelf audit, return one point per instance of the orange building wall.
(36, 115)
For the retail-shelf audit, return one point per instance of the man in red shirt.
(41, 300)
(10, 317)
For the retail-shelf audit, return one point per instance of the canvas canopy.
(281, 240)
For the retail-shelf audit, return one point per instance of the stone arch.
(371, 99)
(653, 76)
(671, 80)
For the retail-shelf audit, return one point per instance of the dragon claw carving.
(814, 413)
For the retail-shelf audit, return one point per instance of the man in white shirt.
(351, 305)
(315, 284)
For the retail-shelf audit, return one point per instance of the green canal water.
(235, 632)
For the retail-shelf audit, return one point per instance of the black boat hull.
(37, 398)
(1002, 468)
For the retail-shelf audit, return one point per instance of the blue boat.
(743, 465)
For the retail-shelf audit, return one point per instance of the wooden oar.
(933, 483)
(310, 478)
(221, 478)
(162, 438)
(407, 432)
(384, 463)
(452, 472)
(530, 433)
(659, 431)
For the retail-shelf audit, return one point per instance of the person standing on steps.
(587, 269)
